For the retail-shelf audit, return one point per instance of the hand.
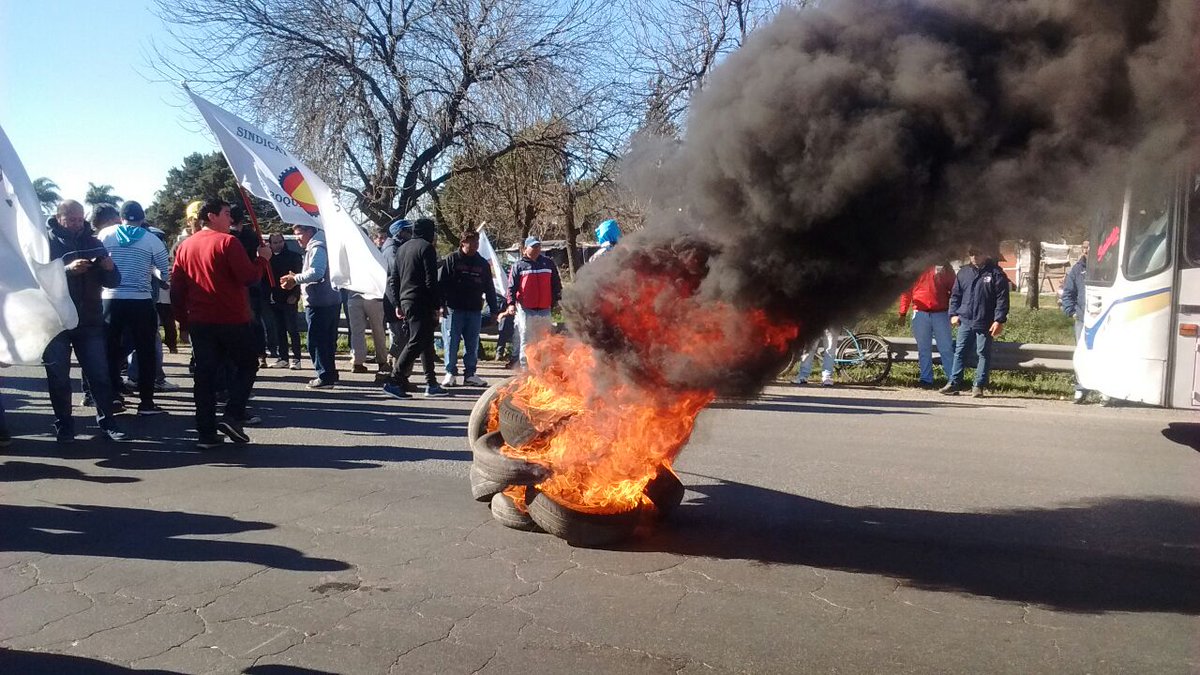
(287, 282)
(264, 251)
(954, 321)
(107, 265)
(399, 315)
(79, 266)
(996, 329)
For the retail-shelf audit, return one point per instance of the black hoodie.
(85, 288)
(412, 272)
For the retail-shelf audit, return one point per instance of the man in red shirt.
(929, 299)
(209, 296)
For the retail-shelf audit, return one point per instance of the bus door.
(1125, 343)
(1185, 389)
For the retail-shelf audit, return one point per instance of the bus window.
(1192, 241)
(1106, 238)
(1148, 237)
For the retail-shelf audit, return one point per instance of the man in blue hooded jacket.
(1074, 303)
(979, 307)
(608, 233)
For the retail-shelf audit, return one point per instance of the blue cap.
(608, 232)
(397, 225)
(132, 212)
(532, 241)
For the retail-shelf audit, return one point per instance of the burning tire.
(578, 528)
(482, 489)
(494, 466)
(505, 510)
(666, 491)
(515, 424)
(478, 421)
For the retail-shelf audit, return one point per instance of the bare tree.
(379, 95)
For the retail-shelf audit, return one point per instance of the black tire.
(478, 421)
(500, 468)
(482, 489)
(665, 490)
(515, 425)
(864, 358)
(506, 512)
(581, 529)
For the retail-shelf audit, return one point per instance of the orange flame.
(605, 436)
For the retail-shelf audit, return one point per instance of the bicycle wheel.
(864, 358)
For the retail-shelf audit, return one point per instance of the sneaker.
(950, 389)
(395, 390)
(280, 363)
(251, 420)
(166, 385)
(129, 387)
(118, 405)
(924, 385)
(383, 376)
(450, 380)
(233, 431)
(1080, 397)
(474, 381)
(149, 409)
(827, 382)
(318, 383)
(360, 368)
(296, 364)
(115, 435)
(262, 362)
(799, 382)
(209, 442)
(434, 390)
(977, 392)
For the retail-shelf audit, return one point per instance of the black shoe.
(434, 390)
(65, 437)
(209, 442)
(149, 409)
(118, 406)
(950, 389)
(924, 385)
(233, 431)
(396, 391)
(87, 400)
(115, 435)
(251, 420)
(360, 368)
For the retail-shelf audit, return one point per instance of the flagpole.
(257, 230)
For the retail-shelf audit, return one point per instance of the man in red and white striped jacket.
(534, 289)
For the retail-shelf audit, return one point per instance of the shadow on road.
(1183, 433)
(11, 472)
(813, 401)
(73, 529)
(1110, 555)
(41, 663)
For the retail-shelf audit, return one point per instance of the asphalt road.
(843, 530)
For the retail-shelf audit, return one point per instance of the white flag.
(35, 304)
(264, 167)
(489, 254)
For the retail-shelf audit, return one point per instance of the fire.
(605, 434)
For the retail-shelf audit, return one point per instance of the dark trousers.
(222, 348)
(421, 322)
(286, 322)
(322, 340)
(257, 326)
(140, 319)
(89, 345)
(166, 317)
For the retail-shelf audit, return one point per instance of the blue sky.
(77, 101)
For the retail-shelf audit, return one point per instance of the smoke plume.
(845, 148)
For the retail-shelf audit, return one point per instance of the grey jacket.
(314, 276)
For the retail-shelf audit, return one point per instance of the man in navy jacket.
(1074, 303)
(979, 307)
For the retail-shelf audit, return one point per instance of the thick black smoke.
(845, 148)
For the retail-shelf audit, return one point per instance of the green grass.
(1026, 384)
(1046, 326)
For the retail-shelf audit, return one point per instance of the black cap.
(132, 212)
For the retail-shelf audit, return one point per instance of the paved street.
(844, 530)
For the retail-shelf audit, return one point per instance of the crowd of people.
(236, 299)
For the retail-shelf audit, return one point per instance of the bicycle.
(860, 358)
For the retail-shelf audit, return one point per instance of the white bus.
(1141, 328)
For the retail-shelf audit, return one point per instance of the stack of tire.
(494, 473)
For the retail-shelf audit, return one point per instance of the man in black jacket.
(466, 281)
(89, 268)
(412, 289)
(979, 307)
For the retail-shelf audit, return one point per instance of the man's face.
(469, 246)
(303, 234)
(533, 252)
(974, 257)
(221, 221)
(1087, 247)
(72, 218)
(277, 243)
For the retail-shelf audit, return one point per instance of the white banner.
(35, 304)
(489, 254)
(262, 165)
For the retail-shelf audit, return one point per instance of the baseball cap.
(132, 211)
(532, 241)
(399, 224)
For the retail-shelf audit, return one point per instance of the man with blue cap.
(534, 289)
(608, 233)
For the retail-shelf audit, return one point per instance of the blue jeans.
(286, 321)
(322, 339)
(462, 325)
(981, 341)
(91, 348)
(927, 327)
